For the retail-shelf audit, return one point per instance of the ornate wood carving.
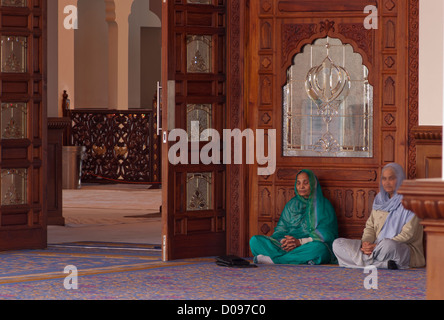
(349, 201)
(389, 91)
(389, 148)
(266, 35)
(327, 26)
(361, 208)
(426, 199)
(389, 119)
(319, 5)
(389, 5)
(266, 90)
(428, 134)
(265, 203)
(292, 35)
(281, 200)
(390, 62)
(58, 123)
(390, 34)
(266, 6)
(428, 141)
(56, 127)
(120, 145)
(413, 83)
(338, 201)
(266, 62)
(265, 229)
(352, 207)
(266, 118)
(287, 174)
(363, 37)
(296, 35)
(237, 210)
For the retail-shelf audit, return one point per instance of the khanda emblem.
(328, 85)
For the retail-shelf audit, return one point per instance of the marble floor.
(110, 213)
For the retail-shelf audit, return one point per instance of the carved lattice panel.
(119, 146)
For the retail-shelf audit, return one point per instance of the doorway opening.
(115, 213)
(121, 211)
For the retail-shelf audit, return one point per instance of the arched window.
(328, 103)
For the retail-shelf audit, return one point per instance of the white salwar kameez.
(349, 254)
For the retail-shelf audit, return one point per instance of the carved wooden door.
(193, 99)
(23, 124)
(301, 34)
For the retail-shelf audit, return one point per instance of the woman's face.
(303, 185)
(389, 181)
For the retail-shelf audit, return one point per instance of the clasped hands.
(290, 243)
(368, 247)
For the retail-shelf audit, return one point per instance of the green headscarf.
(308, 218)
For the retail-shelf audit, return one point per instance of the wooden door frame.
(238, 176)
(187, 232)
(237, 108)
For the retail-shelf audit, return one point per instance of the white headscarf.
(398, 215)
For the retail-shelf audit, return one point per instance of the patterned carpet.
(110, 271)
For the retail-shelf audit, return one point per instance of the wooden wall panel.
(428, 151)
(282, 28)
(426, 199)
(56, 129)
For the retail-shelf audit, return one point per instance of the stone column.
(65, 54)
(117, 13)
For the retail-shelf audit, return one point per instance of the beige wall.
(91, 55)
(142, 17)
(53, 66)
(65, 55)
(92, 90)
(78, 59)
(150, 73)
(431, 57)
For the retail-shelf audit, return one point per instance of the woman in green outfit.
(305, 231)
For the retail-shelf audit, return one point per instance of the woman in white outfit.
(393, 235)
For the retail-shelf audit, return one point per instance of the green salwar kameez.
(313, 218)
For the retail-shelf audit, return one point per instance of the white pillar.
(65, 54)
(442, 93)
(54, 109)
(117, 13)
(112, 54)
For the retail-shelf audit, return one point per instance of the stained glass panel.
(202, 114)
(13, 187)
(13, 54)
(14, 3)
(199, 191)
(199, 54)
(328, 103)
(13, 121)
